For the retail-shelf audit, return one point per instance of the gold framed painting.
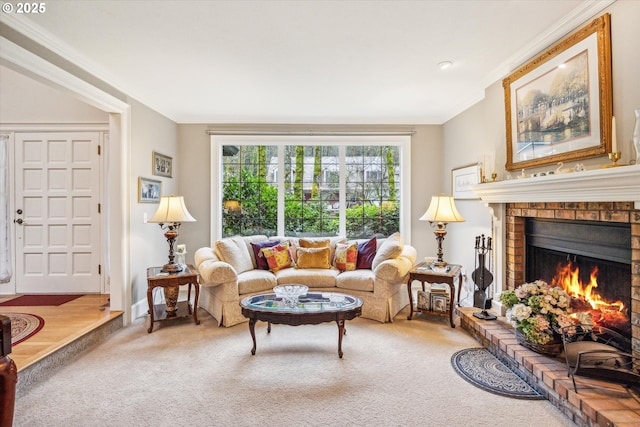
(558, 105)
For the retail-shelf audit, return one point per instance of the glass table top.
(312, 302)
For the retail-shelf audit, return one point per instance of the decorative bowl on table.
(290, 293)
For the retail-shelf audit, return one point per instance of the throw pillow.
(366, 253)
(261, 261)
(278, 257)
(346, 256)
(234, 251)
(314, 243)
(314, 258)
(389, 249)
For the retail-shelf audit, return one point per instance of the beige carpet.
(395, 374)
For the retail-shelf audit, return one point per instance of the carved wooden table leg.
(252, 330)
(341, 332)
(195, 302)
(150, 301)
(410, 299)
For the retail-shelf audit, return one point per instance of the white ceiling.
(306, 61)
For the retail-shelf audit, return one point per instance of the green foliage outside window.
(250, 194)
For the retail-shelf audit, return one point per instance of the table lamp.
(441, 211)
(170, 214)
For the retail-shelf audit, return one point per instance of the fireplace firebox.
(589, 259)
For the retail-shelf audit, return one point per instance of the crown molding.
(578, 16)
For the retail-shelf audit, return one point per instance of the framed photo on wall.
(149, 190)
(162, 165)
(558, 105)
(462, 179)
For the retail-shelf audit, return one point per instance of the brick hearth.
(597, 403)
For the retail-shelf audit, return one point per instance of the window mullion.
(281, 190)
(342, 190)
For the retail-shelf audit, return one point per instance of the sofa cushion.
(234, 251)
(314, 257)
(278, 257)
(346, 256)
(255, 281)
(314, 243)
(261, 261)
(312, 277)
(389, 249)
(357, 280)
(366, 252)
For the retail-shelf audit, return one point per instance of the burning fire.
(568, 278)
(587, 299)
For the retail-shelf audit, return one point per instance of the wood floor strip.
(63, 324)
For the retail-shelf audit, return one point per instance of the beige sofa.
(228, 273)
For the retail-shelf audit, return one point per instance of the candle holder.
(494, 176)
(614, 157)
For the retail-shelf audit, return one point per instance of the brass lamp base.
(172, 268)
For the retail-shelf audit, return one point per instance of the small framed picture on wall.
(162, 165)
(461, 181)
(149, 190)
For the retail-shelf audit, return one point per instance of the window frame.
(401, 141)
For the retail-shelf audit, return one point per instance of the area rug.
(484, 370)
(40, 300)
(24, 326)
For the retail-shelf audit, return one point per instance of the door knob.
(18, 221)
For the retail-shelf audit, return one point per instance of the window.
(310, 186)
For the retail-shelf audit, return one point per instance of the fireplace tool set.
(482, 277)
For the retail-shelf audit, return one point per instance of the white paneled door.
(57, 226)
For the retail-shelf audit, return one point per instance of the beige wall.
(150, 132)
(25, 100)
(195, 174)
(480, 130)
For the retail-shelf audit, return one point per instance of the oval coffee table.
(312, 309)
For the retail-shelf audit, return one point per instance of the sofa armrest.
(213, 271)
(394, 270)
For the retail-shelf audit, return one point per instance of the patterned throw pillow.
(261, 261)
(278, 257)
(314, 258)
(346, 256)
(366, 253)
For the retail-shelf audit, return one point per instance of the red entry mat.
(39, 300)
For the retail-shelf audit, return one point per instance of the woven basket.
(552, 348)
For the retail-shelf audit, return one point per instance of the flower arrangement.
(538, 310)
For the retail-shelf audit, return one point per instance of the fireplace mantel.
(617, 184)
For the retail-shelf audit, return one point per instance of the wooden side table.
(424, 273)
(156, 278)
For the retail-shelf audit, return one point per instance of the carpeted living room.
(320, 213)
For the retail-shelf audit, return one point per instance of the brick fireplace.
(610, 195)
(606, 195)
